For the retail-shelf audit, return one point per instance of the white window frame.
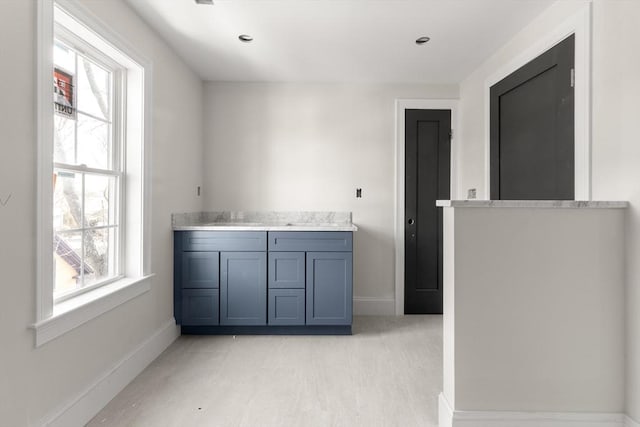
(117, 121)
(54, 318)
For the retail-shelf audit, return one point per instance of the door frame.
(401, 106)
(580, 25)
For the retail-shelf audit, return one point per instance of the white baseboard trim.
(372, 306)
(84, 406)
(450, 418)
(445, 412)
(629, 422)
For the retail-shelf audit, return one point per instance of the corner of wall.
(84, 406)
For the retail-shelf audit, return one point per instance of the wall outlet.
(358, 193)
(471, 193)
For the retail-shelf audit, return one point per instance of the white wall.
(616, 149)
(37, 382)
(538, 319)
(308, 147)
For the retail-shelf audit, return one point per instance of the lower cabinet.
(200, 307)
(329, 288)
(236, 282)
(199, 270)
(286, 307)
(286, 270)
(243, 288)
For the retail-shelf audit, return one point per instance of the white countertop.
(267, 227)
(263, 221)
(546, 204)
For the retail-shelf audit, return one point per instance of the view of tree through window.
(86, 173)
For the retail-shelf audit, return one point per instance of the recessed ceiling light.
(209, 2)
(245, 38)
(422, 40)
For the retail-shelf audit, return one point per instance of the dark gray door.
(532, 129)
(427, 179)
(243, 288)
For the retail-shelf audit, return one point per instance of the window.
(92, 204)
(87, 174)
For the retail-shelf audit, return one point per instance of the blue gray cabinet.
(286, 307)
(319, 241)
(329, 288)
(286, 288)
(200, 270)
(286, 270)
(200, 306)
(196, 295)
(243, 288)
(224, 240)
(329, 273)
(233, 282)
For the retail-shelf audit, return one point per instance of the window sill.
(74, 312)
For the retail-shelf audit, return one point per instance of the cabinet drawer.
(286, 270)
(224, 240)
(317, 241)
(200, 270)
(286, 307)
(200, 307)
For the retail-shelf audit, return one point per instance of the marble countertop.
(263, 221)
(548, 204)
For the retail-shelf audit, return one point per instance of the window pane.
(64, 57)
(67, 251)
(67, 200)
(93, 143)
(100, 201)
(64, 140)
(93, 89)
(99, 249)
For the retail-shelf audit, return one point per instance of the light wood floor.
(389, 373)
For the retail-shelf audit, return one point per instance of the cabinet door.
(329, 288)
(200, 270)
(200, 307)
(243, 290)
(286, 306)
(286, 270)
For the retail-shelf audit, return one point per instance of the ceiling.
(337, 40)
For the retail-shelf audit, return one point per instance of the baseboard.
(450, 418)
(445, 412)
(628, 422)
(371, 306)
(79, 410)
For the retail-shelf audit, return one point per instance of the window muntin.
(88, 180)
